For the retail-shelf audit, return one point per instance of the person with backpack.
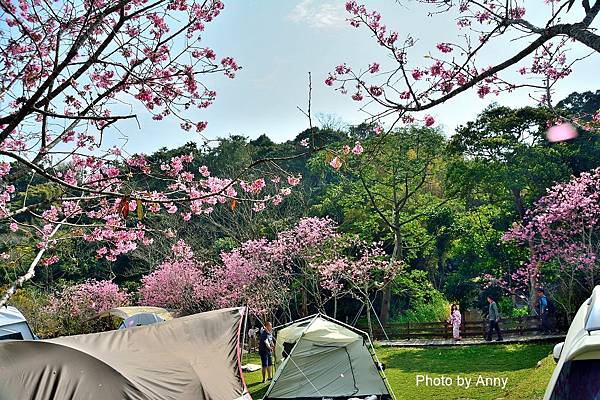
(545, 308)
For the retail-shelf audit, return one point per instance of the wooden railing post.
(446, 326)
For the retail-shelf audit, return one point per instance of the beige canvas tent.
(318, 357)
(194, 357)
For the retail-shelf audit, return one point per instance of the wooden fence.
(510, 326)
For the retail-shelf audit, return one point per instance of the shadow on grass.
(464, 359)
(256, 390)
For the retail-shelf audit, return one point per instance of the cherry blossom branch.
(108, 193)
(30, 271)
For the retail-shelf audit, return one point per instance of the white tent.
(140, 320)
(13, 325)
(319, 357)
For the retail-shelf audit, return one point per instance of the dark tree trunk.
(518, 202)
(386, 299)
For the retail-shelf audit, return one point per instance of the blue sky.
(278, 42)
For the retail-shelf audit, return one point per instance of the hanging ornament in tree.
(124, 207)
(140, 210)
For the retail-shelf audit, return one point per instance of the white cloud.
(318, 14)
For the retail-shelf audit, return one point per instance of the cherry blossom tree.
(74, 308)
(261, 273)
(257, 274)
(406, 88)
(74, 73)
(179, 283)
(563, 228)
(356, 268)
(397, 180)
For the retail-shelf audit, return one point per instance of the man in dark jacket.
(266, 345)
(493, 317)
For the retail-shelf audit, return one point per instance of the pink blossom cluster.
(179, 283)
(256, 274)
(562, 227)
(338, 160)
(86, 300)
(369, 267)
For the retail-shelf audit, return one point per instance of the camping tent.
(140, 320)
(126, 312)
(116, 318)
(194, 357)
(13, 324)
(319, 357)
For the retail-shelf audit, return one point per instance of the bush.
(437, 309)
(70, 310)
(522, 311)
(418, 299)
(33, 302)
(509, 309)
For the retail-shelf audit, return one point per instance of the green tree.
(389, 190)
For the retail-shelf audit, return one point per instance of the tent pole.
(355, 320)
(244, 332)
(378, 320)
(384, 377)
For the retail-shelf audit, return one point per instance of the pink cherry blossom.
(429, 120)
(417, 74)
(294, 180)
(444, 47)
(374, 68)
(336, 163)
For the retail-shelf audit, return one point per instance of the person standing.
(252, 333)
(455, 319)
(543, 311)
(493, 317)
(265, 350)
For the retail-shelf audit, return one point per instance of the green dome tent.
(318, 357)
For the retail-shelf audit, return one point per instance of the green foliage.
(509, 309)
(414, 287)
(502, 157)
(521, 311)
(418, 299)
(436, 310)
(584, 105)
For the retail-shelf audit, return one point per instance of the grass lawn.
(515, 362)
